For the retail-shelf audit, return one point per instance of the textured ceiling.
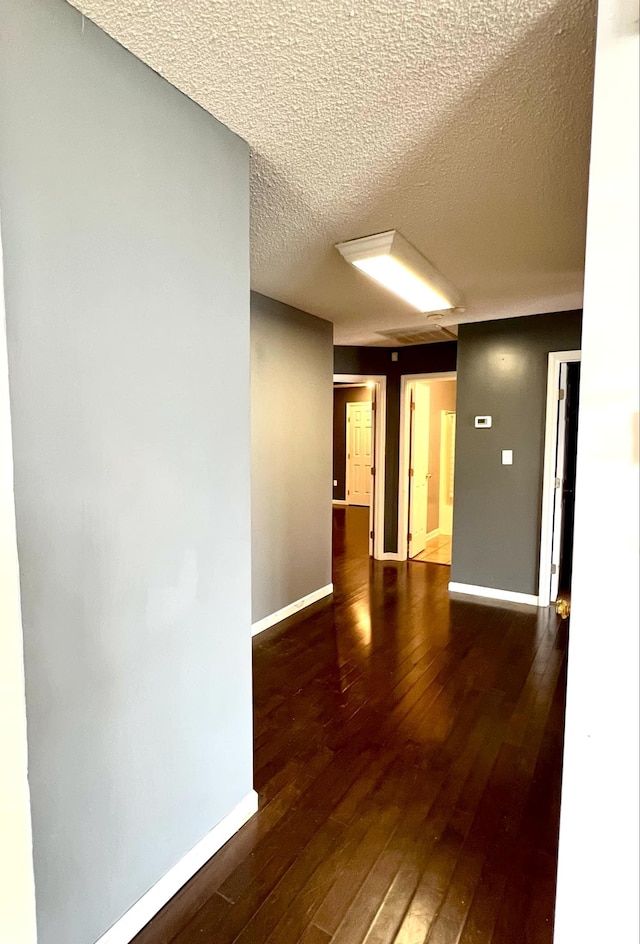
(462, 123)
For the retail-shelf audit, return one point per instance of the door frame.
(347, 474)
(405, 442)
(556, 359)
(376, 508)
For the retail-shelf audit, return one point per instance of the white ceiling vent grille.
(427, 334)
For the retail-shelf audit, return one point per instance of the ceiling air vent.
(426, 334)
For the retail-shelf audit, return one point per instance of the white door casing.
(359, 453)
(419, 468)
(550, 529)
(378, 384)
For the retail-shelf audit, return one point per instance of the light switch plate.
(507, 456)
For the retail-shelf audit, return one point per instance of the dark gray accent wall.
(502, 372)
(342, 396)
(291, 429)
(125, 221)
(415, 359)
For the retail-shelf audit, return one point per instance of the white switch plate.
(483, 422)
(335, 483)
(507, 456)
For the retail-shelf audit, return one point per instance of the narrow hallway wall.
(291, 434)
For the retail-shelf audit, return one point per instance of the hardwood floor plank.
(407, 757)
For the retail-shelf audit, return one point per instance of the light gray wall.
(291, 435)
(125, 234)
(502, 372)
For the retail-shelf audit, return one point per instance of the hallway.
(407, 757)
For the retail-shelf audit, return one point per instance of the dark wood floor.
(407, 757)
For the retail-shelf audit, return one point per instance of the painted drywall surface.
(414, 359)
(442, 397)
(502, 372)
(291, 429)
(125, 233)
(17, 892)
(342, 396)
(598, 862)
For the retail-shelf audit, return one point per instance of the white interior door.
(359, 453)
(418, 468)
(556, 548)
(447, 463)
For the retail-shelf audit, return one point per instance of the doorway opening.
(427, 459)
(359, 403)
(559, 477)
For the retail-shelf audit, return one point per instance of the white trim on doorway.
(403, 472)
(556, 359)
(376, 513)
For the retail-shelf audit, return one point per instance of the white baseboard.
(391, 556)
(508, 596)
(290, 609)
(339, 501)
(126, 928)
(433, 534)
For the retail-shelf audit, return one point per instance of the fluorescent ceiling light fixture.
(395, 263)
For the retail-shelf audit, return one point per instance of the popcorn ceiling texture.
(463, 123)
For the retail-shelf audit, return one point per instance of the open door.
(359, 453)
(418, 468)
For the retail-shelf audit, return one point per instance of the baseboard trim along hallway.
(132, 921)
(290, 609)
(489, 593)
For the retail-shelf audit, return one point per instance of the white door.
(447, 463)
(556, 549)
(359, 453)
(418, 468)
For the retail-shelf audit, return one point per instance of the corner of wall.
(17, 889)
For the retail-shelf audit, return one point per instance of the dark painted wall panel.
(502, 371)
